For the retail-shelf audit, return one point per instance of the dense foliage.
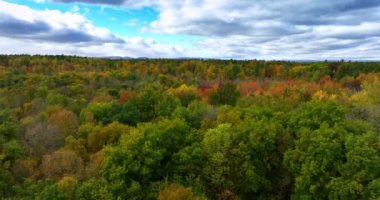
(85, 128)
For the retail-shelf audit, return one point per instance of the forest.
(191, 129)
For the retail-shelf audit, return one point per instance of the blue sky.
(244, 29)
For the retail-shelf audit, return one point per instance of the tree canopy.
(192, 129)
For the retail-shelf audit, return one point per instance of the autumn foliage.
(192, 129)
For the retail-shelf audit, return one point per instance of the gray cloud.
(68, 36)
(11, 26)
(219, 27)
(246, 17)
(40, 29)
(359, 4)
(72, 36)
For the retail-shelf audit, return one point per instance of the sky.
(221, 29)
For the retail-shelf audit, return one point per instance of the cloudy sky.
(239, 29)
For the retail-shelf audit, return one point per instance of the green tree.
(193, 114)
(166, 105)
(339, 162)
(314, 113)
(12, 150)
(103, 112)
(147, 102)
(51, 192)
(143, 158)
(93, 189)
(217, 145)
(129, 113)
(315, 160)
(252, 145)
(6, 179)
(360, 169)
(226, 94)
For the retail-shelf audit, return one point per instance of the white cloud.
(50, 25)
